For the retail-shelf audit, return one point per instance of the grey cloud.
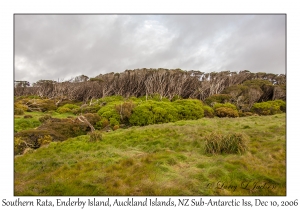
(64, 46)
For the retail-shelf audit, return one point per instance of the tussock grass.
(217, 143)
(95, 136)
(166, 159)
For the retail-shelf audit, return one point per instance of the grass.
(166, 159)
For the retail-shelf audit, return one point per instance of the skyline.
(65, 46)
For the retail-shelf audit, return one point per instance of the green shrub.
(152, 112)
(227, 105)
(67, 108)
(269, 107)
(19, 105)
(95, 136)
(23, 124)
(234, 143)
(62, 110)
(208, 111)
(113, 122)
(142, 115)
(102, 123)
(189, 109)
(109, 111)
(281, 104)
(226, 112)
(70, 106)
(27, 116)
(164, 112)
(86, 109)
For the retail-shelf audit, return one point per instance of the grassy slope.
(166, 159)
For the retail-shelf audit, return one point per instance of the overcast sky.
(64, 46)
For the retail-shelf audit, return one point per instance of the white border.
(8, 8)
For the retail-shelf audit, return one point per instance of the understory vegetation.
(154, 146)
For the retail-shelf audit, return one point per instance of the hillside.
(163, 159)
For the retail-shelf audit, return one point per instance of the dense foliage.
(163, 83)
(269, 107)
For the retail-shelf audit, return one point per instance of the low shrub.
(226, 112)
(95, 136)
(27, 116)
(234, 143)
(208, 111)
(281, 104)
(116, 127)
(62, 110)
(245, 114)
(67, 108)
(227, 105)
(102, 123)
(269, 107)
(189, 109)
(86, 109)
(153, 112)
(44, 118)
(113, 122)
(25, 123)
(142, 115)
(19, 105)
(109, 111)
